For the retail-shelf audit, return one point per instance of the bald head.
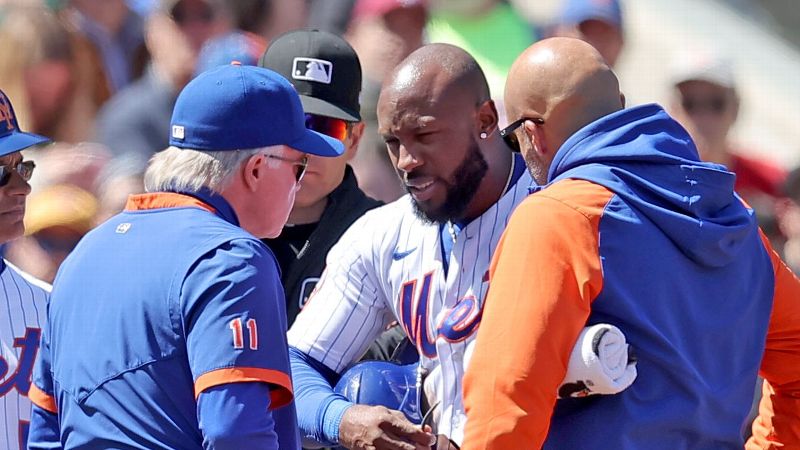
(566, 82)
(434, 68)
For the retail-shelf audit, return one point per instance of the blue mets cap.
(12, 139)
(237, 107)
(577, 11)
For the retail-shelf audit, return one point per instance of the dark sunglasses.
(24, 169)
(715, 105)
(329, 126)
(510, 137)
(301, 164)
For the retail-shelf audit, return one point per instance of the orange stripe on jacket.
(157, 200)
(41, 399)
(778, 421)
(281, 393)
(545, 274)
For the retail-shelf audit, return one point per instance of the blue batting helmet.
(384, 383)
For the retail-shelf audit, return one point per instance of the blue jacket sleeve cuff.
(332, 418)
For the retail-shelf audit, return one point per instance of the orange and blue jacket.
(633, 230)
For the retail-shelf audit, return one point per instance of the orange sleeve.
(778, 421)
(545, 273)
(41, 399)
(280, 384)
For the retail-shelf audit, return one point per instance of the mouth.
(421, 188)
(17, 212)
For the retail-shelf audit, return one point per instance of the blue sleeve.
(235, 320)
(44, 432)
(320, 410)
(235, 416)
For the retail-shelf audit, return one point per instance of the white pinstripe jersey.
(388, 266)
(24, 300)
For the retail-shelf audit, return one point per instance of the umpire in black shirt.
(326, 72)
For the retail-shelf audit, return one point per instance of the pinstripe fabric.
(24, 302)
(380, 271)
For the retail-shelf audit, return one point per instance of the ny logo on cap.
(311, 69)
(6, 114)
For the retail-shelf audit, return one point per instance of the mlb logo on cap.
(12, 139)
(312, 69)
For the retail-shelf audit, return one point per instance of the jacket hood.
(648, 160)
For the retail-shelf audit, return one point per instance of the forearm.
(319, 409)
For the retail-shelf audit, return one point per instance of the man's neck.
(720, 154)
(492, 187)
(302, 215)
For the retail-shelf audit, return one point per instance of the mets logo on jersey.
(16, 372)
(458, 324)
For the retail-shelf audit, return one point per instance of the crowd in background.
(101, 78)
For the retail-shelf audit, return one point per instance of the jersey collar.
(204, 198)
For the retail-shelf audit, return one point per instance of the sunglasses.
(510, 137)
(301, 164)
(715, 105)
(24, 169)
(329, 126)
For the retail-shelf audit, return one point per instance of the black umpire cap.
(323, 68)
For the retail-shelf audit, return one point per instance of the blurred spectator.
(245, 48)
(115, 35)
(246, 43)
(63, 163)
(56, 218)
(490, 30)
(330, 15)
(251, 16)
(598, 22)
(383, 33)
(286, 15)
(42, 69)
(706, 102)
(120, 178)
(136, 120)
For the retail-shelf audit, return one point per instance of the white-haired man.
(167, 324)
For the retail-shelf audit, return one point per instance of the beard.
(460, 191)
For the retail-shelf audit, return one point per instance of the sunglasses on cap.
(24, 169)
(715, 105)
(329, 126)
(510, 137)
(301, 165)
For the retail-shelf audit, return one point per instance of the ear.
(353, 140)
(252, 172)
(536, 134)
(622, 99)
(487, 117)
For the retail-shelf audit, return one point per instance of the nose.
(406, 160)
(17, 185)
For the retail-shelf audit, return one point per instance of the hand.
(365, 427)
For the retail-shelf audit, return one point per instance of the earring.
(483, 135)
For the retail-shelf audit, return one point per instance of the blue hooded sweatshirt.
(685, 276)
